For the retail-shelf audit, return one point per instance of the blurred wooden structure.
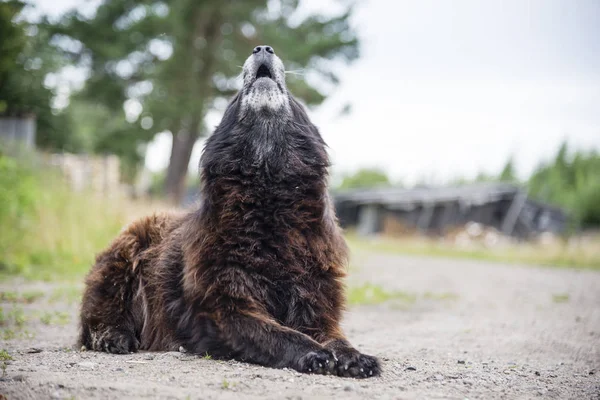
(437, 210)
(20, 130)
(99, 174)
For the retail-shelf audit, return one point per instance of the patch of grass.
(8, 334)
(18, 317)
(4, 356)
(560, 298)
(32, 296)
(440, 296)
(25, 297)
(9, 297)
(49, 232)
(207, 357)
(226, 384)
(69, 294)
(13, 321)
(578, 254)
(46, 318)
(55, 318)
(369, 294)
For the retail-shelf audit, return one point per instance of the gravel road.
(461, 329)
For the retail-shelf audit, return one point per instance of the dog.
(255, 273)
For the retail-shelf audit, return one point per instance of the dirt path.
(459, 329)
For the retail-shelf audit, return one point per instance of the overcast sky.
(446, 89)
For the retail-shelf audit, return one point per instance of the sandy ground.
(475, 330)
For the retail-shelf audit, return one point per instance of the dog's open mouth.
(263, 72)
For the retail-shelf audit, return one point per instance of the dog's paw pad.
(317, 362)
(356, 365)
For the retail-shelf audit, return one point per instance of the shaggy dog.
(255, 274)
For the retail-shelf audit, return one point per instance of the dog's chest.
(290, 304)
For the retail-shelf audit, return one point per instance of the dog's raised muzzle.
(263, 49)
(263, 60)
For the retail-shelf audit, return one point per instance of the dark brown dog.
(256, 272)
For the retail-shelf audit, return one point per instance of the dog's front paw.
(353, 364)
(317, 362)
(116, 342)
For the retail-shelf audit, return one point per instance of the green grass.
(4, 356)
(560, 298)
(13, 322)
(24, 297)
(440, 296)
(69, 294)
(582, 256)
(55, 318)
(369, 294)
(8, 334)
(8, 297)
(49, 232)
(18, 317)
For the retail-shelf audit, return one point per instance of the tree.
(25, 60)
(114, 46)
(508, 172)
(210, 40)
(12, 41)
(187, 55)
(365, 178)
(571, 181)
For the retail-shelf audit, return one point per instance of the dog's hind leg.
(109, 320)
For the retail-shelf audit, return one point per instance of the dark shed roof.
(479, 193)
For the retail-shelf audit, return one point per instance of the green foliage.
(365, 178)
(571, 181)
(12, 41)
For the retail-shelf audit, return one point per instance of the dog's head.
(264, 88)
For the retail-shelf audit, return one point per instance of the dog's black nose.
(258, 49)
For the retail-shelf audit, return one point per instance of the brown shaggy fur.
(254, 274)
